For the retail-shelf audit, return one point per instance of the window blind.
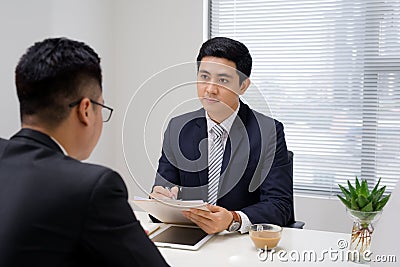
(330, 70)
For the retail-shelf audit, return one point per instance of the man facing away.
(226, 153)
(54, 209)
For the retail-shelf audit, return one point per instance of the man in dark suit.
(54, 209)
(243, 148)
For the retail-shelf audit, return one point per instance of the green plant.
(365, 207)
(359, 197)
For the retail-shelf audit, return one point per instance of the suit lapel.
(237, 152)
(236, 135)
(234, 141)
(199, 135)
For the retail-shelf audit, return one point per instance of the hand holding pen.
(160, 192)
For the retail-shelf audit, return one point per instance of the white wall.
(24, 22)
(16, 34)
(322, 214)
(135, 40)
(151, 35)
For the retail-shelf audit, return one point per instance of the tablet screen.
(180, 235)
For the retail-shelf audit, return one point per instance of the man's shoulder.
(188, 117)
(2, 145)
(80, 176)
(83, 169)
(262, 119)
(57, 162)
(2, 141)
(47, 164)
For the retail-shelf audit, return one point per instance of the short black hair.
(51, 74)
(230, 49)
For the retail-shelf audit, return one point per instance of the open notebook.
(169, 211)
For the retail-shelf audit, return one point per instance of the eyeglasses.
(105, 111)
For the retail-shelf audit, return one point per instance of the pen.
(169, 189)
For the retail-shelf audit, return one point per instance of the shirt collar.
(61, 147)
(226, 124)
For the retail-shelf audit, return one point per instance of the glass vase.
(361, 234)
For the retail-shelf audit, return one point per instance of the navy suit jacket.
(57, 211)
(256, 173)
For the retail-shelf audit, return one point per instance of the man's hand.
(214, 221)
(160, 192)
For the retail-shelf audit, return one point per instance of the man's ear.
(83, 111)
(243, 87)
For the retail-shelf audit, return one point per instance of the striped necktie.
(215, 163)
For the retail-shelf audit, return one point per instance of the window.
(330, 70)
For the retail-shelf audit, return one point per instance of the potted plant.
(364, 206)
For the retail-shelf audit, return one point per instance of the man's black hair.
(51, 74)
(230, 49)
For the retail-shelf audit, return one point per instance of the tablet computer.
(180, 236)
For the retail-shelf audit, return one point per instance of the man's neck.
(219, 117)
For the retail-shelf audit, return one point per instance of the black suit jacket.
(256, 175)
(57, 211)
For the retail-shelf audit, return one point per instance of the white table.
(235, 249)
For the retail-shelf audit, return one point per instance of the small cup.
(265, 236)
